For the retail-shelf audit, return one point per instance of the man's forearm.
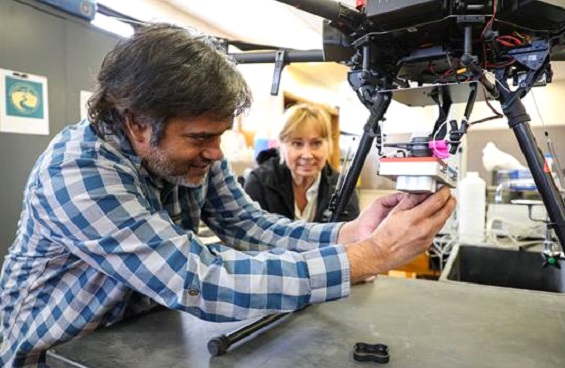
(364, 261)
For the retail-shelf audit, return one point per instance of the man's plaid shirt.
(100, 239)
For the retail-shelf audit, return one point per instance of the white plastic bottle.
(471, 210)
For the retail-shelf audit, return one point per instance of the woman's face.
(306, 151)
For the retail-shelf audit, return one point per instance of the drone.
(438, 50)
(444, 51)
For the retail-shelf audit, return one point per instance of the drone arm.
(280, 58)
(269, 57)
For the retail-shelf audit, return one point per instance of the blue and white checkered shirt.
(100, 239)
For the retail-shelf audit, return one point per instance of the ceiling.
(270, 23)
(262, 22)
(259, 22)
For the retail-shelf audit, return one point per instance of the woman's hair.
(162, 72)
(295, 117)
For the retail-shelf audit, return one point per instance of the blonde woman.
(300, 182)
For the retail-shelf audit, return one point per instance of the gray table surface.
(424, 323)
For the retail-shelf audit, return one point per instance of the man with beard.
(112, 208)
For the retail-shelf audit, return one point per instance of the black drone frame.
(375, 91)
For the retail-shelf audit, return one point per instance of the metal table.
(424, 323)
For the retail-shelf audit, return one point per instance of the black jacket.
(271, 185)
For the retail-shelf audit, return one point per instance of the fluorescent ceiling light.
(113, 25)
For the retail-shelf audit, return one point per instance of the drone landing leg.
(519, 122)
(341, 196)
(544, 180)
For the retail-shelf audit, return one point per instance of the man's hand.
(394, 230)
(376, 212)
(369, 219)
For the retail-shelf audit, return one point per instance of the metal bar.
(291, 56)
(220, 344)
(370, 131)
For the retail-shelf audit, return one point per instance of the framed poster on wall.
(23, 103)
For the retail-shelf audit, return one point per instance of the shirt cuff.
(329, 273)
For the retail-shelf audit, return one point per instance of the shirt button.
(193, 292)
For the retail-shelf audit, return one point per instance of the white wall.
(158, 11)
(266, 111)
(266, 108)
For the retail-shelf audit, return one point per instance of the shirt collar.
(312, 192)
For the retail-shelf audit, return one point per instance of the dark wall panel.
(66, 51)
